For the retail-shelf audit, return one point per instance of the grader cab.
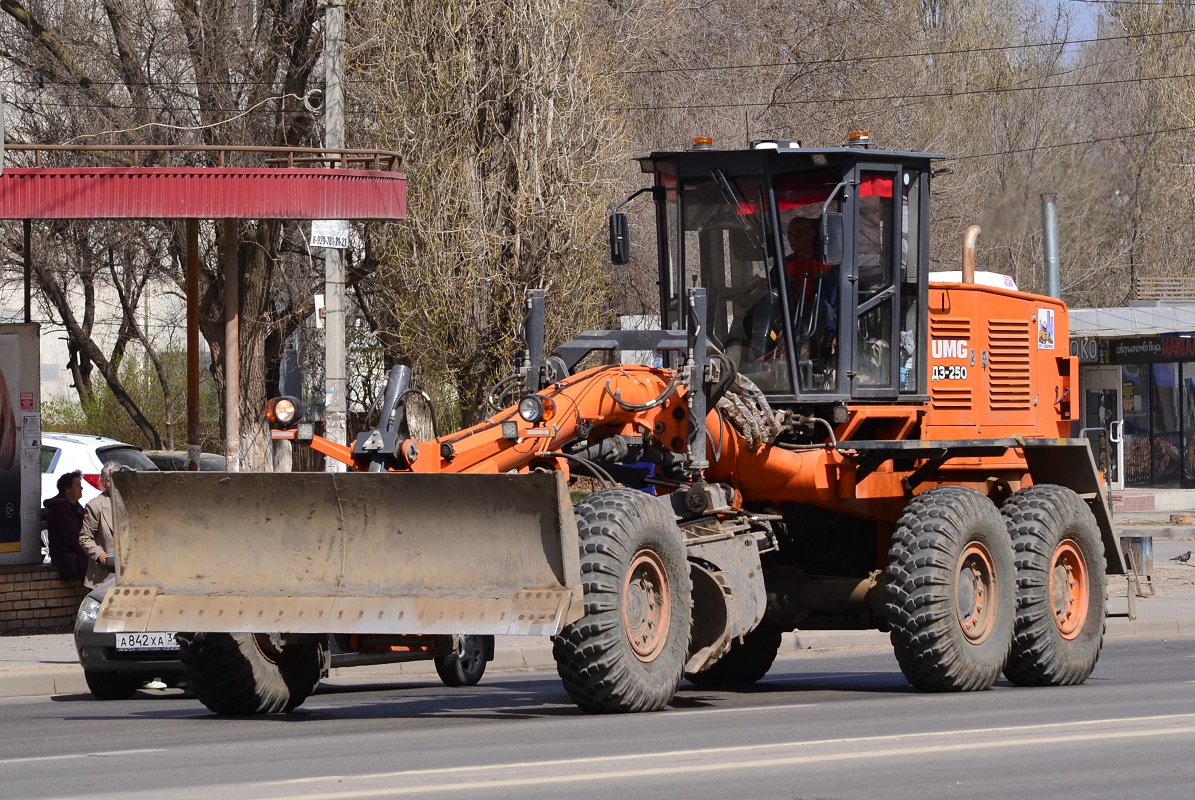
(827, 438)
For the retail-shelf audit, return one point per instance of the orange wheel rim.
(1069, 589)
(645, 605)
(975, 598)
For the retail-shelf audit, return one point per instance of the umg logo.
(948, 348)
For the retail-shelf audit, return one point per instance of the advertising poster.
(10, 462)
(1166, 458)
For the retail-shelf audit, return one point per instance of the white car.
(66, 452)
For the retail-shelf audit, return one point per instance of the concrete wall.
(162, 314)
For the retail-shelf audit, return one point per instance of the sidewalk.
(47, 665)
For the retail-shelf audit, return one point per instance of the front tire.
(466, 667)
(950, 587)
(111, 685)
(251, 673)
(1061, 587)
(628, 652)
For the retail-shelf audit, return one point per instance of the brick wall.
(35, 599)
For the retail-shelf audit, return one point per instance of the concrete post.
(335, 413)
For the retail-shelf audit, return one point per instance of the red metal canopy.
(294, 183)
(202, 193)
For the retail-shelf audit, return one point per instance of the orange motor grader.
(825, 436)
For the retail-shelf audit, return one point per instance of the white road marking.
(689, 712)
(107, 754)
(412, 782)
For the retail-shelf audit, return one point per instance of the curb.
(1167, 532)
(42, 681)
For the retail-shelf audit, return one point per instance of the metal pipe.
(1049, 227)
(969, 240)
(232, 348)
(533, 341)
(192, 284)
(27, 258)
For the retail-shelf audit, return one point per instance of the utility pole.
(335, 413)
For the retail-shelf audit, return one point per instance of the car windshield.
(128, 456)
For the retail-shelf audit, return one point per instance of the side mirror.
(830, 241)
(620, 243)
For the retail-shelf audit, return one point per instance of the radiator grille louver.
(1008, 369)
(950, 398)
(950, 328)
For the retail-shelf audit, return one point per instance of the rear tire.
(950, 587)
(467, 667)
(628, 652)
(248, 673)
(1061, 587)
(746, 661)
(111, 685)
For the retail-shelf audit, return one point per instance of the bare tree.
(501, 112)
(138, 71)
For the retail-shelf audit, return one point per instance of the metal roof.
(794, 148)
(1132, 320)
(202, 193)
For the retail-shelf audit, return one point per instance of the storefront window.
(1135, 396)
(1188, 404)
(1165, 455)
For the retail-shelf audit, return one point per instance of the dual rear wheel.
(972, 591)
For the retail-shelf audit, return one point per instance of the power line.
(32, 106)
(1057, 145)
(889, 57)
(1124, 2)
(42, 82)
(924, 96)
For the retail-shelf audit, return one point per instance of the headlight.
(282, 411)
(534, 408)
(89, 609)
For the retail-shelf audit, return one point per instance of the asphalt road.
(823, 724)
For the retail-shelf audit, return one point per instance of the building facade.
(1137, 374)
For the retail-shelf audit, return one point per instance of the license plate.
(159, 640)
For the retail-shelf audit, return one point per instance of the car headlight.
(89, 609)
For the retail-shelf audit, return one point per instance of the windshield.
(771, 302)
(126, 456)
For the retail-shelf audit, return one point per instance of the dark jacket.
(64, 520)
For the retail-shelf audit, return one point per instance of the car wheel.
(111, 685)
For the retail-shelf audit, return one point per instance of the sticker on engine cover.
(1045, 329)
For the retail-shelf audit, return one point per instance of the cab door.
(873, 337)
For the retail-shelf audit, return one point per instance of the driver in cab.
(812, 289)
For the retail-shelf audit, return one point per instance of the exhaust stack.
(968, 265)
(1049, 227)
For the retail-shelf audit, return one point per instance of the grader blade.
(343, 553)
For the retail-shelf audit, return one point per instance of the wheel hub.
(975, 598)
(645, 606)
(1069, 589)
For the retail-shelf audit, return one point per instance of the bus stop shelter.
(281, 184)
